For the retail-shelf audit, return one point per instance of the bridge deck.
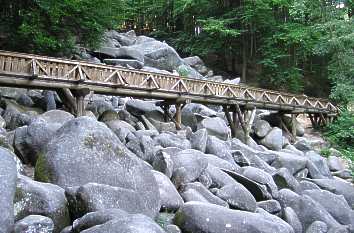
(33, 71)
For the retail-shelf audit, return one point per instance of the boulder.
(8, 176)
(271, 206)
(303, 145)
(263, 178)
(172, 140)
(170, 198)
(262, 128)
(99, 106)
(147, 108)
(58, 117)
(335, 163)
(125, 63)
(339, 187)
(237, 196)
(219, 148)
(307, 209)
(49, 100)
(284, 179)
(193, 61)
(294, 163)
(320, 168)
(292, 219)
(336, 205)
(127, 52)
(34, 224)
(191, 113)
(163, 163)
(198, 192)
(29, 141)
(252, 155)
(317, 227)
(159, 55)
(93, 197)
(35, 198)
(115, 220)
(24, 100)
(259, 191)
(215, 127)
(188, 165)
(235, 81)
(209, 218)
(273, 140)
(199, 140)
(90, 152)
(221, 163)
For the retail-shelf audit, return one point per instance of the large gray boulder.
(93, 197)
(237, 196)
(274, 139)
(252, 155)
(90, 152)
(159, 55)
(215, 127)
(219, 148)
(170, 198)
(284, 179)
(199, 140)
(307, 209)
(35, 198)
(8, 176)
(259, 191)
(167, 139)
(34, 224)
(320, 168)
(262, 128)
(209, 218)
(147, 108)
(163, 163)
(335, 163)
(115, 220)
(29, 141)
(263, 178)
(339, 187)
(188, 165)
(198, 192)
(317, 227)
(336, 205)
(125, 63)
(291, 217)
(293, 162)
(191, 114)
(271, 206)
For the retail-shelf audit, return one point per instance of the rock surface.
(90, 152)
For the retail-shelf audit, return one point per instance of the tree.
(53, 27)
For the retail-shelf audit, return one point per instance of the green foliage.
(341, 134)
(53, 27)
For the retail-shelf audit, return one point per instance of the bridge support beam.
(178, 116)
(80, 103)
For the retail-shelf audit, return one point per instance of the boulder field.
(123, 169)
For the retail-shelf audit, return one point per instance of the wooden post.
(235, 118)
(293, 125)
(243, 123)
(80, 97)
(178, 116)
(231, 123)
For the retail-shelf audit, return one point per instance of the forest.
(300, 46)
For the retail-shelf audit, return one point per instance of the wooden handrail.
(19, 65)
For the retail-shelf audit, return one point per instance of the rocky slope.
(121, 168)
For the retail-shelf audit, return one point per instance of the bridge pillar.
(232, 123)
(178, 116)
(79, 95)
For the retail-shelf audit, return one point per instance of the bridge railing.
(36, 66)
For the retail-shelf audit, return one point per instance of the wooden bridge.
(79, 78)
